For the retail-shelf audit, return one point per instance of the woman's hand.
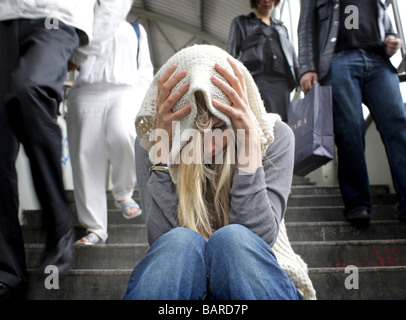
(241, 115)
(166, 100)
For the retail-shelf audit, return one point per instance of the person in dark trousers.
(37, 39)
(262, 43)
(347, 45)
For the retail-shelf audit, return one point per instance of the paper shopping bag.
(311, 120)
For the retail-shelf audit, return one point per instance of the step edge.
(316, 270)
(90, 272)
(95, 247)
(348, 242)
(340, 223)
(338, 195)
(79, 227)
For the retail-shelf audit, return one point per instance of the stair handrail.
(398, 22)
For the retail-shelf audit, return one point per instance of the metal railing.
(398, 23)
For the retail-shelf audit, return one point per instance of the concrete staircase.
(100, 272)
(315, 226)
(328, 244)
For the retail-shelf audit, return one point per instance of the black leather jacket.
(318, 30)
(245, 42)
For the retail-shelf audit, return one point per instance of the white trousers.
(101, 131)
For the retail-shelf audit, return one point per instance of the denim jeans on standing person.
(235, 264)
(358, 76)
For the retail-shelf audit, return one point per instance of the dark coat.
(318, 28)
(246, 41)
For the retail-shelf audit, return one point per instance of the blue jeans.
(358, 76)
(235, 264)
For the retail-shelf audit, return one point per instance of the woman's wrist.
(162, 146)
(160, 167)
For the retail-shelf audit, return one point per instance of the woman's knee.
(179, 238)
(174, 268)
(231, 236)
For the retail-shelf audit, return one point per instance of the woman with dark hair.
(262, 44)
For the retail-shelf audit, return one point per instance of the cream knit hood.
(199, 61)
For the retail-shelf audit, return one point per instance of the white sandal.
(90, 240)
(127, 206)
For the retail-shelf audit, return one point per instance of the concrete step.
(361, 253)
(106, 256)
(334, 213)
(385, 283)
(90, 284)
(34, 217)
(297, 231)
(341, 231)
(316, 228)
(118, 233)
(334, 200)
(111, 204)
(297, 180)
(293, 214)
(329, 283)
(71, 196)
(330, 190)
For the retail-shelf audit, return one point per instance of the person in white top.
(103, 104)
(37, 39)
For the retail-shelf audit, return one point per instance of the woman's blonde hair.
(204, 189)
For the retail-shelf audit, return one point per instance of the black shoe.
(359, 218)
(401, 216)
(6, 291)
(61, 255)
(9, 293)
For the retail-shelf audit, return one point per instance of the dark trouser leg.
(346, 76)
(384, 100)
(12, 255)
(33, 68)
(36, 88)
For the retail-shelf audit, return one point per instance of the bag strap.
(297, 95)
(136, 27)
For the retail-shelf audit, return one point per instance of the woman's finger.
(228, 110)
(166, 76)
(181, 113)
(238, 73)
(175, 96)
(167, 82)
(227, 89)
(231, 78)
(174, 80)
